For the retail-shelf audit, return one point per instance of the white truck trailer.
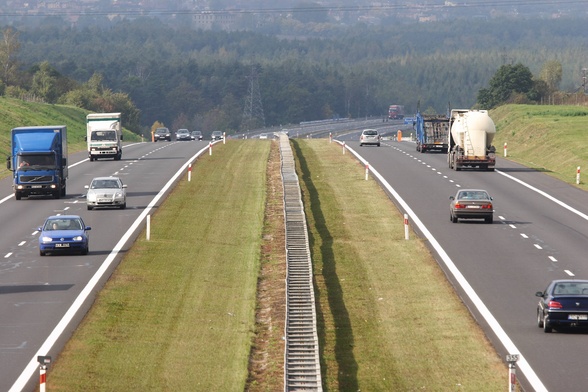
(104, 136)
(470, 140)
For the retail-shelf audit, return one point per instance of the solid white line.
(539, 191)
(33, 365)
(465, 285)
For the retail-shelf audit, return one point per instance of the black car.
(196, 135)
(162, 134)
(563, 304)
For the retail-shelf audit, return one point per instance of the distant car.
(106, 192)
(64, 233)
(564, 303)
(369, 136)
(183, 134)
(471, 204)
(263, 135)
(162, 134)
(217, 135)
(196, 135)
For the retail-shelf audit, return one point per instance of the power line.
(301, 9)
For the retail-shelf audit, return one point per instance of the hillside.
(552, 139)
(17, 113)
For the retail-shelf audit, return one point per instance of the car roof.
(106, 178)
(63, 217)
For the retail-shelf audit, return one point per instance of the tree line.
(201, 80)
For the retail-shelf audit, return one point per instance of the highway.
(539, 234)
(36, 293)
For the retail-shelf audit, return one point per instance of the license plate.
(473, 206)
(577, 316)
(36, 186)
(103, 200)
(62, 245)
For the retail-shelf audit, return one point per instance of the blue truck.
(38, 161)
(432, 132)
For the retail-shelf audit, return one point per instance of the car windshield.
(101, 184)
(473, 195)
(63, 224)
(571, 288)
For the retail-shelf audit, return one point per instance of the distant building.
(208, 20)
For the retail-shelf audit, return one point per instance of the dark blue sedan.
(64, 234)
(564, 303)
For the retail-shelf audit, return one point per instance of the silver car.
(217, 135)
(106, 192)
(471, 204)
(369, 136)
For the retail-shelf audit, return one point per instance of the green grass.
(178, 313)
(552, 139)
(389, 320)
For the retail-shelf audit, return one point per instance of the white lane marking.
(537, 246)
(545, 194)
(22, 243)
(512, 226)
(524, 235)
(552, 259)
(569, 272)
(7, 255)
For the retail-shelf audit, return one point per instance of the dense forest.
(204, 79)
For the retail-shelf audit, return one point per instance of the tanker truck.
(470, 140)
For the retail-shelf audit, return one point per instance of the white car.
(263, 136)
(106, 192)
(369, 136)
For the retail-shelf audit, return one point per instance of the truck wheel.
(118, 157)
(17, 195)
(91, 158)
(62, 193)
(56, 194)
(41, 253)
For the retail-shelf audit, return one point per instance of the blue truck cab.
(38, 161)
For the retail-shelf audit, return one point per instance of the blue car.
(64, 234)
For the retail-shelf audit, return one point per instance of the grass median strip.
(178, 313)
(388, 318)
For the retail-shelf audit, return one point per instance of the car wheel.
(539, 321)
(123, 206)
(489, 220)
(85, 251)
(90, 208)
(454, 218)
(547, 325)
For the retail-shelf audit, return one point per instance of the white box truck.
(104, 136)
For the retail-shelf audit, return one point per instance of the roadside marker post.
(505, 149)
(224, 137)
(209, 148)
(578, 175)
(330, 137)
(406, 237)
(367, 170)
(343, 148)
(148, 228)
(189, 172)
(512, 371)
(44, 361)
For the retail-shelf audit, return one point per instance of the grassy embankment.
(16, 113)
(551, 139)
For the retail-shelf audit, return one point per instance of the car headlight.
(45, 239)
(118, 195)
(78, 238)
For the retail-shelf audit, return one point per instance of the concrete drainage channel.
(302, 371)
